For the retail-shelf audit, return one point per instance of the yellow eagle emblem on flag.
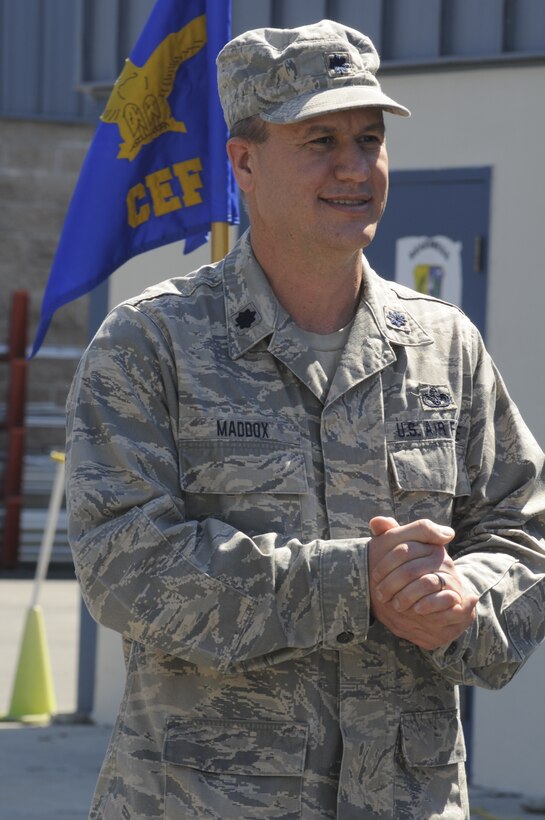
(138, 104)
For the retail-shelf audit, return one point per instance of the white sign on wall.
(430, 264)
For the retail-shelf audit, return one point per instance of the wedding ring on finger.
(441, 581)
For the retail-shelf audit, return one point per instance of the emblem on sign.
(429, 279)
(430, 265)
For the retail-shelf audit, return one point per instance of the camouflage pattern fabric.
(218, 494)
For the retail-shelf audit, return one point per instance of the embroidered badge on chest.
(436, 397)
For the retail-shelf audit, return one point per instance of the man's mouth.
(351, 203)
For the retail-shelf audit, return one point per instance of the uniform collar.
(390, 311)
(382, 323)
(253, 311)
(251, 308)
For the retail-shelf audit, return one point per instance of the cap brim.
(330, 100)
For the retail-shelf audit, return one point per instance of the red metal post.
(15, 412)
(18, 325)
(15, 426)
(12, 530)
(13, 480)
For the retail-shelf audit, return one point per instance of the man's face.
(322, 182)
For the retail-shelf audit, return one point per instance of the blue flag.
(157, 169)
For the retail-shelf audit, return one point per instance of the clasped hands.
(416, 591)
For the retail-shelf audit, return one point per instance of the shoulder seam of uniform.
(187, 285)
(150, 318)
(413, 296)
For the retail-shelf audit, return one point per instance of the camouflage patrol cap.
(286, 75)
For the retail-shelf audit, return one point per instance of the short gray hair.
(252, 128)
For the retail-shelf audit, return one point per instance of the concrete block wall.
(39, 167)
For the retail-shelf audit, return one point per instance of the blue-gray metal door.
(435, 230)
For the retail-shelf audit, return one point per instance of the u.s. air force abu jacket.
(219, 495)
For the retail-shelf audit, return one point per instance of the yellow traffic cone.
(33, 697)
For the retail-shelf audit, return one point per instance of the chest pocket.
(252, 483)
(426, 477)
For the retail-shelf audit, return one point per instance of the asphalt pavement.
(48, 772)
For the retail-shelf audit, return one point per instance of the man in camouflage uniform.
(300, 492)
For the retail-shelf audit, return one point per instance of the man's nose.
(352, 164)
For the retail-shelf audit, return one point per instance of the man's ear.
(240, 155)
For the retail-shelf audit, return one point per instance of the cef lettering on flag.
(157, 169)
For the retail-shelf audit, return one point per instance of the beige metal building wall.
(494, 116)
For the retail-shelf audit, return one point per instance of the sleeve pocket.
(432, 738)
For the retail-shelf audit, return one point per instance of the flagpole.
(220, 240)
